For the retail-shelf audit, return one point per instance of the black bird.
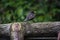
(30, 16)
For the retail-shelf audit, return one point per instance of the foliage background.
(16, 10)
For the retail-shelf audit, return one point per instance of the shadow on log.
(4, 37)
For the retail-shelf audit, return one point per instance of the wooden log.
(43, 38)
(5, 29)
(42, 27)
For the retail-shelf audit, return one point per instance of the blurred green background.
(16, 10)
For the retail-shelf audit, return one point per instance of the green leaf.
(8, 16)
(19, 12)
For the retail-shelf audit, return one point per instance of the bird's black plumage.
(30, 16)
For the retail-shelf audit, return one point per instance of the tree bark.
(42, 27)
(5, 29)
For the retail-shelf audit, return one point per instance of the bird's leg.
(58, 36)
